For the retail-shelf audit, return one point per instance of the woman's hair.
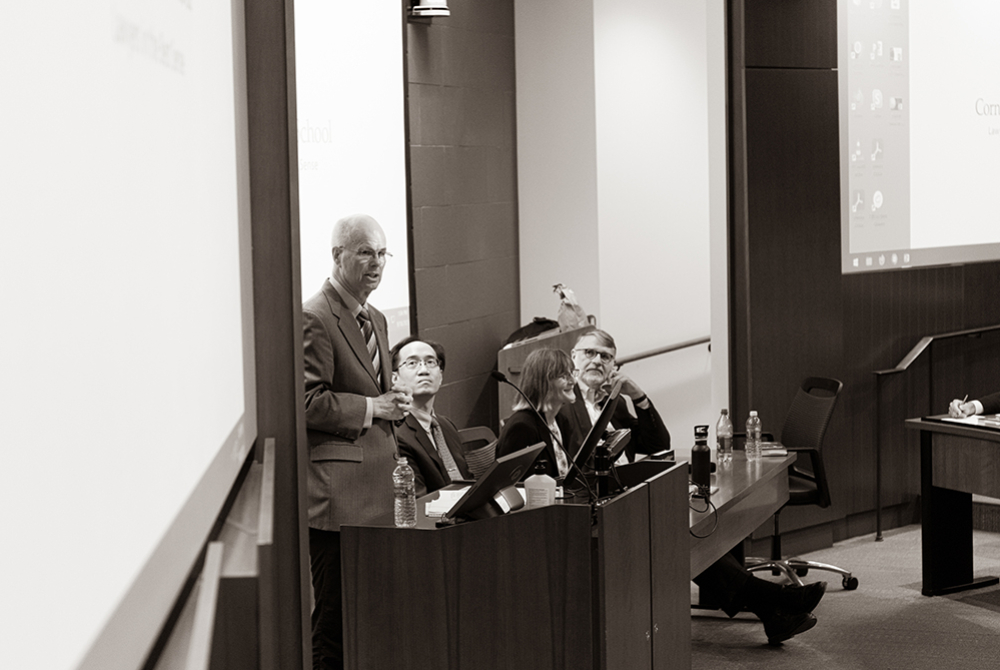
(540, 368)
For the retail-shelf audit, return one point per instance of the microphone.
(502, 378)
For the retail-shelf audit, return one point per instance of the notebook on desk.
(987, 421)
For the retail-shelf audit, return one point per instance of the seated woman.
(547, 380)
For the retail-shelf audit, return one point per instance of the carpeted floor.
(885, 624)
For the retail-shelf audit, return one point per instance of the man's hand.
(629, 387)
(393, 405)
(959, 409)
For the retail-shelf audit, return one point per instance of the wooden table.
(749, 494)
(956, 461)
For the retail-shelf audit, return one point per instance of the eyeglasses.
(594, 353)
(413, 363)
(367, 254)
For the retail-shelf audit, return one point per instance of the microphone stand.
(502, 378)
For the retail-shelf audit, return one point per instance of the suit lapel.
(580, 414)
(382, 341)
(351, 331)
(424, 440)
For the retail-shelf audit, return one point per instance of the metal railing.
(666, 350)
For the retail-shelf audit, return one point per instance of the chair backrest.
(809, 415)
(480, 446)
(805, 427)
(476, 437)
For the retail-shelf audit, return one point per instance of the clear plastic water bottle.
(405, 506)
(724, 439)
(754, 430)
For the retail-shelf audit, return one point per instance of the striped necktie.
(364, 320)
(444, 452)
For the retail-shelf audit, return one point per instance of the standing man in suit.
(988, 404)
(429, 441)
(349, 410)
(594, 360)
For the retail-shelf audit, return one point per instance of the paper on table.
(990, 420)
(445, 501)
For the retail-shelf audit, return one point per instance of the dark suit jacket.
(525, 428)
(649, 434)
(350, 469)
(416, 445)
(991, 403)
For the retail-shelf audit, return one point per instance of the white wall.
(556, 154)
(635, 119)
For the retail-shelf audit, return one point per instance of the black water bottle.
(701, 462)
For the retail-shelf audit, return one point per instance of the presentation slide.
(352, 139)
(920, 121)
(124, 384)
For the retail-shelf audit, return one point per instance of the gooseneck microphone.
(502, 378)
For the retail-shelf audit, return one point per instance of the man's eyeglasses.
(368, 254)
(413, 363)
(594, 353)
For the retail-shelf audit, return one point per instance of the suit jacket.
(990, 403)
(416, 445)
(349, 477)
(525, 428)
(649, 433)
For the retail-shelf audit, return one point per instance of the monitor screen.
(595, 434)
(920, 133)
(505, 472)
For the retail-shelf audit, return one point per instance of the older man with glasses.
(785, 611)
(350, 406)
(594, 360)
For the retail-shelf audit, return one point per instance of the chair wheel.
(802, 572)
(850, 583)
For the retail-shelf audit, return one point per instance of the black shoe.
(780, 627)
(800, 599)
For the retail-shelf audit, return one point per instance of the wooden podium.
(566, 586)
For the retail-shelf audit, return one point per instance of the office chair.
(805, 426)
(480, 448)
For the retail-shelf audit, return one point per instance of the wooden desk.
(550, 588)
(543, 589)
(955, 461)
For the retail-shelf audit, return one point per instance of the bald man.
(350, 406)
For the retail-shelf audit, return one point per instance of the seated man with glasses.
(594, 363)
(429, 441)
(785, 611)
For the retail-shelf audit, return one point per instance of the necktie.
(364, 320)
(444, 452)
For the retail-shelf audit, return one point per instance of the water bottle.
(701, 462)
(405, 505)
(754, 429)
(724, 439)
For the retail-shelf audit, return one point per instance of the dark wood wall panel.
(791, 33)
(793, 313)
(464, 196)
(793, 273)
